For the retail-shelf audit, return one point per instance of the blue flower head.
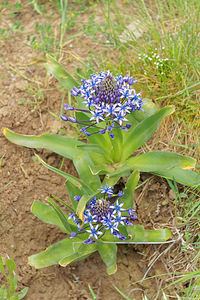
(108, 100)
(101, 216)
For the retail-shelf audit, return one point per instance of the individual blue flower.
(118, 207)
(120, 194)
(106, 189)
(120, 219)
(96, 116)
(77, 198)
(94, 232)
(89, 218)
(132, 214)
(73, 234)
(108, 100)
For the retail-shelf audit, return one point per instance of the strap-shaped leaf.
(131, 184)
(2, 267)
(82, 252)
(108, 253)
(186, 177)
(62, 145)
(57, 70)
(103, 140)
(77, 182)
(10, 264)
(47, 214)
(149, 109)
(63, 203)
(73, 191)
(137, 233)
(117, 145)
(82, 163)
(22, 293)
(91, 148)
(156, 162)
(59, 144)
(160, 160)
(3, 292)
(82, 204)
(61, 215)
(139, 134)
(53, 254)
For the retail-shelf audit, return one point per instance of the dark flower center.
(107, 91)
(101, 208)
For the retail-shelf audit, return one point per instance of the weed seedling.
(9, 292)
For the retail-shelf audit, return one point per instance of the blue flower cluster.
(108, 99)
(100, 216)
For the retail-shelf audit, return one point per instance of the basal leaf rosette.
(102, 215)
(107, 100)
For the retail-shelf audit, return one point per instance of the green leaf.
(14, 297)
(63, 203)
(117, 145)
(22, 293)
(137, 233)
(91, 148)
(12, 282)
(47, 214)
(82, 252)
(59, 144)
(186, 177)
(3, 293)
(77, 182)
(108, 253)
(58, 71)
(53, 254)
(131, 184)
(103, 140)
(156, 162)
(82, 163)
(10, 265)
(82, 203)
(2, 266)
(62, 145)
(73, 191)
(149, 109)
(160, 160)
(61, 215)
(143, 131)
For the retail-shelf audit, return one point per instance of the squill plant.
(116, 122)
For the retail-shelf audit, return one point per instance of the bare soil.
(24, 180)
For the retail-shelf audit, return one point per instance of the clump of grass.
(171, 36)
